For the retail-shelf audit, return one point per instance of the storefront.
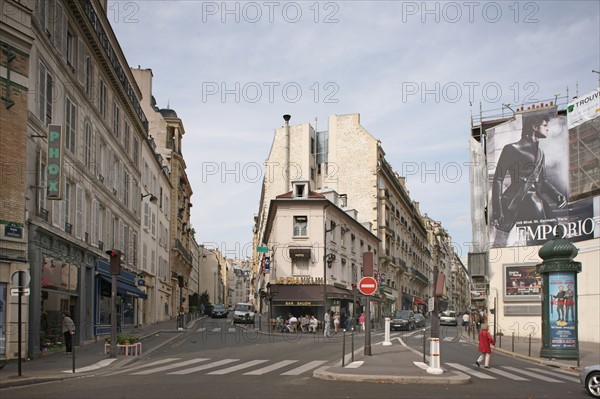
(303, 299)
(128, 295)
(61, 280)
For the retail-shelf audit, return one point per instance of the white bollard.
(386, 341)
(434, 359)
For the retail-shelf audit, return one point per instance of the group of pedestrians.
(293, 324)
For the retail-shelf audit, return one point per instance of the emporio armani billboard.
(528, 172)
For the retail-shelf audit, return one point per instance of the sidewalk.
(89, 357)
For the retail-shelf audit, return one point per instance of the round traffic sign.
(20, 278)
(367, 285)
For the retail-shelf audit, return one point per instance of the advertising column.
(559, 299)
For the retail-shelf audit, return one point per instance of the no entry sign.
(367, 285)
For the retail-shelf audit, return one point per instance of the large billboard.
(583, 120)
(528, 171)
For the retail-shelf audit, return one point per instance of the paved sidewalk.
(89, 357)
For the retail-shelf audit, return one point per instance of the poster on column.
(563, 310)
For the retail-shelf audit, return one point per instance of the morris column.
(559, 307)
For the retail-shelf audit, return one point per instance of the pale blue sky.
(411, 69)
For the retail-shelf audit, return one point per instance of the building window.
(300, 266)
(87, 145)
(126, 187)
(126, 137)
(70, 125)
(102, 98)
(116, 120)
(300, 223)
(136, 151)
(70, 49)
(45, 95)
(88, 76)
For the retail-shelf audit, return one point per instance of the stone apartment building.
(346, 158)
(83, 178)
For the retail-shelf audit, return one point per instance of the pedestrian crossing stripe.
(513, 375)
(169, 366)
(533, 375)
(469, 370)
(230, 330)
(559, 375)
(151, 368)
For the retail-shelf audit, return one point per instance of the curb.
(544, 362)
(456, 378)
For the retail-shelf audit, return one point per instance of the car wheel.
(592, 384)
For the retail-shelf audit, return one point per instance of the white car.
(448, 317)
(243, 313)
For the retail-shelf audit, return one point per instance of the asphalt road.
(220, 360)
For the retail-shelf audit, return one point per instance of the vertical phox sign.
(55, 162)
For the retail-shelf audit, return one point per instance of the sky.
(416, 72)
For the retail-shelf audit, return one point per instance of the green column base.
(568, 354)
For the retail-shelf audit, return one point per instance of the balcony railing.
(183, 251)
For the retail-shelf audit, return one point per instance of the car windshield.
(418, 316)
(401, 314)
(449, 314)
(243, 307)
(219, 307)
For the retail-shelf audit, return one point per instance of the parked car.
(590, 378)
(402, 320)
(243, 313)
(448, 317)
(419, 320)
(219, 310)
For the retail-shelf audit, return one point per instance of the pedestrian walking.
(361, 321)
(68, 330)
(486, 342)
(327, 325)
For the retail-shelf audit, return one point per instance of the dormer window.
(300, 189)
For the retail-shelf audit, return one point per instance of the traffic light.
(115, 261)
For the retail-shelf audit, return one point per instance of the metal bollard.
(344, 348)
(513, 342)
(434, 364)
(529, 345)
(386, 341)
(352, 344)
(424, 347)
(499, 341)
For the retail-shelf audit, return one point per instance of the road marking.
(534, 375)
(557, 374)
(237, 367)
(469, 370)
(201, 329)
(100, 364)
(308, 366)
(169, 367)
(204, 366)
(421, 365)
(355, 365)
(506, 374)
(270, 368)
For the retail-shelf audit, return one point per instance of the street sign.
(367, 285)
(19, 291)
(262, 249)
(430, 304)
(20, 278)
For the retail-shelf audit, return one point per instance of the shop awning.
(307, 293)
(124, 288)
(389, 296)
(300, 253)
(418, 300)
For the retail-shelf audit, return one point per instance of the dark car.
(402, 320)
(419, 320)
(219, 310)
